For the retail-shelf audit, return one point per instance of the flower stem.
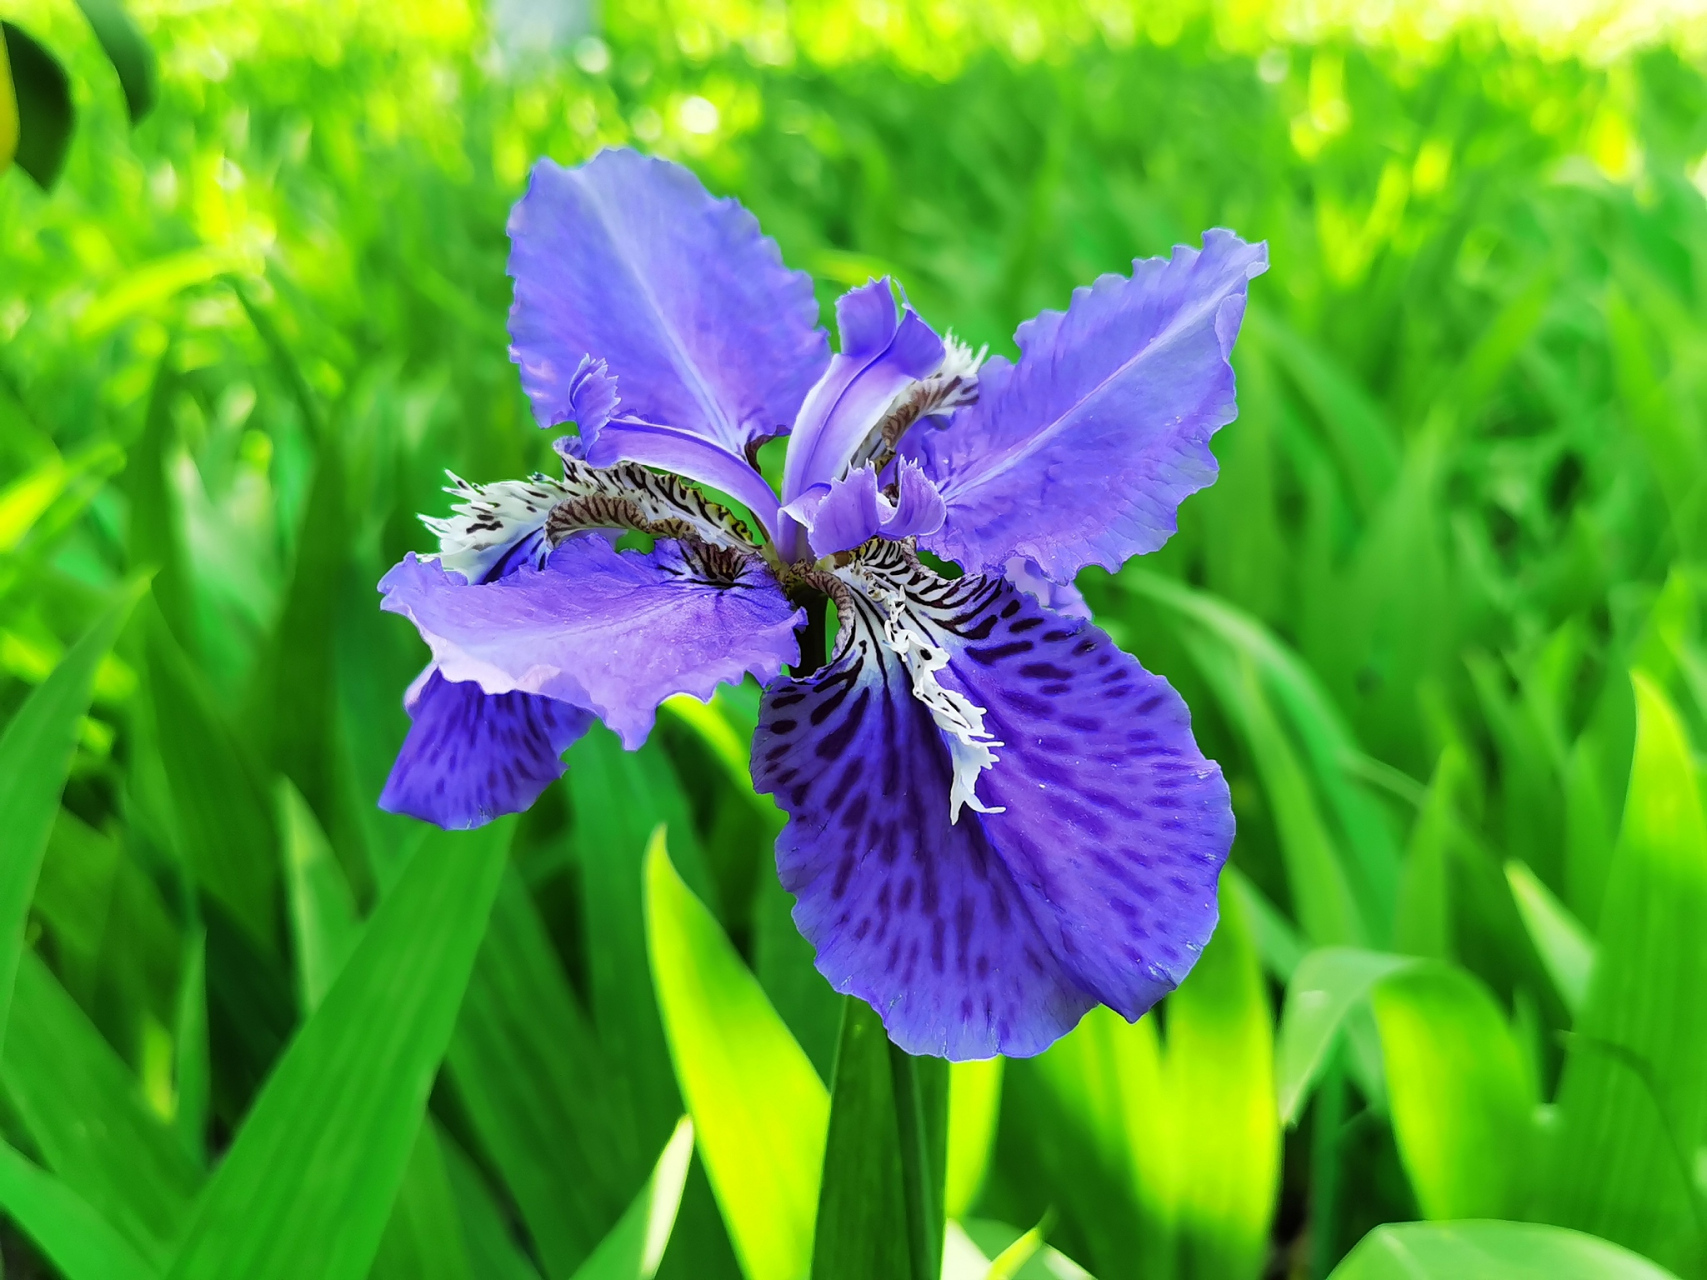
(921, 1110)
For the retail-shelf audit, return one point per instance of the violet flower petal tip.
(1082, 451)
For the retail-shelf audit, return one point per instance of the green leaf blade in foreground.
(1461, 1098)
(1632, 1103)
(759, 1109)
(861, 1228)
(1226, 1140)
(1325, 987)
(1565, 948)
(75, 1238)
(308, 1184)
(1487, 1250)
(635, 1246)
(35, 757)
(84, 1110)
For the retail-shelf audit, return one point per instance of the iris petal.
(882, 354)
(471, 756)
(844, 513)
(613, 631)
(1099, 812)
(917, 916)
(629, 260)
(1082, 452)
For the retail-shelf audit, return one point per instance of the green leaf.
(323, 919)
(544, 1098)
(974, 1107)
(759, 1109)
(635, 1246)
(1326, 905)
(1459, 1092)
(493, 1253)
(1565, 947)
(43, 96)
(84, 1110)
(192, 1066)
(619, 798)
(1422, 926)
(1632, 1104)
(1489, 1251)
(423, 1238)
(308, 1183)
(8, 111)
(1277, 942)
(72, 1236)
(971, 1245)
(1224, 1158)
(224, 822)
(126, 50)
(861, 1226)
(1324, 989)
(35, 756)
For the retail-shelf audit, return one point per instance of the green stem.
(921, 1110)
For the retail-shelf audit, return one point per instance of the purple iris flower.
(996, 818)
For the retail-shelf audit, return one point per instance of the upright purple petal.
(914, 915)
(471, 756)
(1097, 811)
(844, 513)
(613, 631)
(629, 260)
(881, 355)
(1082, 452)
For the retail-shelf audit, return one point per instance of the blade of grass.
(308, 1183)
(35, 756)
(760, 1112)
(635, 1246)
(72, 1236)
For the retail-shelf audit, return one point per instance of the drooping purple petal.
(1082, 452)
(914, 915)
(1097, 809)
(844, 513)
(881, 354)
(629, 260)
(613, 631)
(1112, 822)
(471, 756)
(1066, 599)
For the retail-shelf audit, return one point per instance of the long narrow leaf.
(759, 1109)
(73, 1236)
(35, 755)
(309, 1180)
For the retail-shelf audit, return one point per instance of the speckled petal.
(1101, 835)
(471, 756)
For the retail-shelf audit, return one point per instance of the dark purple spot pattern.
(471, 757)
(1097, 882)
(915, 916)
(1116, 827)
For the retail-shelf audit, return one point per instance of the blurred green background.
(1439, 620)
